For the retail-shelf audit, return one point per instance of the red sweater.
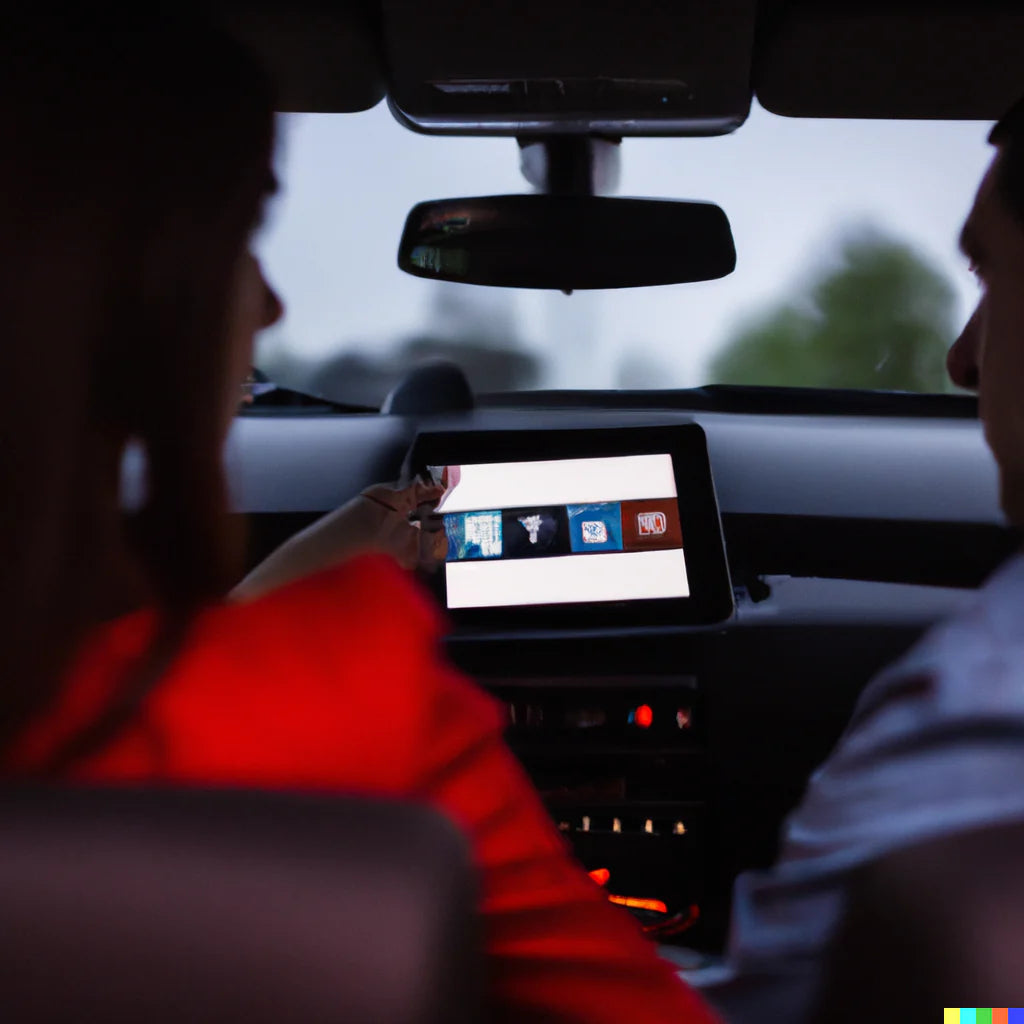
(335, 683)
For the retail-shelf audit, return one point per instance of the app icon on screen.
(596, 527)
(535, 532)
(473, 535)
(651, 525)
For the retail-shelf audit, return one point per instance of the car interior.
(851, 520)
(776, 545)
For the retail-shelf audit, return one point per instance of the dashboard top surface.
(935, 470)
(837, 471)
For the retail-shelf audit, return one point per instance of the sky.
(790, 188)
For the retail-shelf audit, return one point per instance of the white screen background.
(568, 579)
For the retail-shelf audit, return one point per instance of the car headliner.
(900, 59)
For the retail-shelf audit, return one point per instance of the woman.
(137, 160)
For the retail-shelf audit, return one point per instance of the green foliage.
(878, 317)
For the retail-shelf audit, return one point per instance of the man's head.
(989, 354)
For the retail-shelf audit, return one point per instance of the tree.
(475, 328)
(638, 370)
(879, 317)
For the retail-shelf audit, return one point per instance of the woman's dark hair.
(135, 161)
(1008, 135)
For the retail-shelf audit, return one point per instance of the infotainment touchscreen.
(582, 527)
(564, 531)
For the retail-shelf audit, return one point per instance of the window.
(847, 272)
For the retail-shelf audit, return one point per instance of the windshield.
(847, 270)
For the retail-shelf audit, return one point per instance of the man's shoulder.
(970, 664)
(934, 741)
(936, 745)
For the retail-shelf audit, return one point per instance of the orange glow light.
(644, 716)
(601, 876)
(629, 901)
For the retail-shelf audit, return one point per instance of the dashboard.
(669, 749)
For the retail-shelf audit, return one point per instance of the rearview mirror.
(567, 241)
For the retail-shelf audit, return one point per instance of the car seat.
(169, 905)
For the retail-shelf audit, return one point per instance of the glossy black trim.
(938, 554)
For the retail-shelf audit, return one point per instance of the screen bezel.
(711, 594)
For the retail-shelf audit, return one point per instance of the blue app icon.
(595, 528)
(473, 535)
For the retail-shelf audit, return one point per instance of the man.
(936, 743)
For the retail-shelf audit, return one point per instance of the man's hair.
(1008, 135)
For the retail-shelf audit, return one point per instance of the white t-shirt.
(935, 745)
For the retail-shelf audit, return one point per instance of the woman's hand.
(397, 521)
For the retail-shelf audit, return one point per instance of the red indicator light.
(643, 716)
(656, 906)
(601, 876)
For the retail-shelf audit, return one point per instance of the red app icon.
(651, 524)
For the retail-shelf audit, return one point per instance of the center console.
(620, 763)
(582, 539)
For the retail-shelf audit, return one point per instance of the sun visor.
(625, 67)
(928, 61)
(324, 59)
